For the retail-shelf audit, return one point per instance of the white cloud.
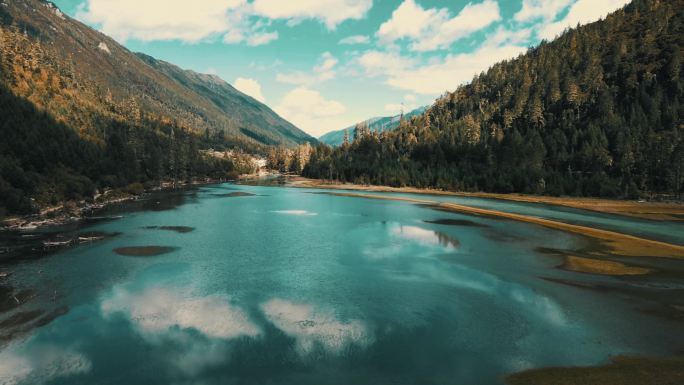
(312, 328)
(262, 66)
(310, 111)
(409, 20)
(161, 19)
(250, 87)
(582, 12)
(356, 39)
(409, 104)
(541, 9)
(262, 38)
(432, 29)
(434, 79)
(323, 71)
(448, 73)
(506, 36)
(378, 63)
(330, 12)
(394, 108)
(157, 311)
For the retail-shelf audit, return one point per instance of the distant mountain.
(104, 79)
(335, 138)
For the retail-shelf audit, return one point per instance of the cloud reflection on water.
(44, 363)
(424, 236)
(461, 276)
(399, 235)
(312, 327)
(304, 213)
(159, 310)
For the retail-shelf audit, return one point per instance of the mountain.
(336, 138)
(80, 114)
(101, 78)
(597, 112)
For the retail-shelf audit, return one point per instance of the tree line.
(44, 162)
(597, 112)
(64, 138)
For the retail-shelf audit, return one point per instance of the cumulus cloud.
(157, 311)
(237, 21)
(355, 39)
(540, 9)
(432, 29)
(312, 328)
(250, 87)
(436, 77)
(377, 63)
(310, 111)
(581, 12)
(323, 71)
(162, 19)
(262, 38)
(330, 12)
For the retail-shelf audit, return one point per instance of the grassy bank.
(616, 243)
(664, 211)
(620, 371)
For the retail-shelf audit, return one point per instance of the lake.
(234, 284)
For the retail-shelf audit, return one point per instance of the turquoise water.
(667, 231)
(289, 287)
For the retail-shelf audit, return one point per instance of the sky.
(327, 64)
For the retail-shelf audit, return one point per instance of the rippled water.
(289, 287)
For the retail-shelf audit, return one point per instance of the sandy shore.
(647, 210)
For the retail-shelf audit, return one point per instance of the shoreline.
(615, 243)
(657, 211)
(620, 370)
(62, 214)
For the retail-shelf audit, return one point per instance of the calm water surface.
(289, 287)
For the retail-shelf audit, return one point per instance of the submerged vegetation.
(597, 112)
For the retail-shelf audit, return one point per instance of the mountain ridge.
(376, 124)
(111, 72)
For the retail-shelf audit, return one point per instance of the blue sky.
(326, 64)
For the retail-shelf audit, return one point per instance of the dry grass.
(617, 243)
(601, 267)
(621, 371)
(646, 210)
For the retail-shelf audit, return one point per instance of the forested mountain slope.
(83, 77)
(44, 162)
(599, 111)
(79, 114)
